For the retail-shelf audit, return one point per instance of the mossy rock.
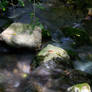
(83, 87)
(78, 35)
(51, 53)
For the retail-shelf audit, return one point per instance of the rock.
(52, 53)
(80, 36)
(90, 11)
(83, 87)
(21, 35)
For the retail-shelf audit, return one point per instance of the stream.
(14, 65)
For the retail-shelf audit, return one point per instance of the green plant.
(78, 35)
(21, 2)
(38, 5)
(35, 20)
(3, 5)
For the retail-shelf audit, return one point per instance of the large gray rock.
(22, 35)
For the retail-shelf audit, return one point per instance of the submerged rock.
(22, 35)
(83, 87)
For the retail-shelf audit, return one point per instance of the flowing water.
(53, 18)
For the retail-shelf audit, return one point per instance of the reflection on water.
(13, 69)
(20, 61)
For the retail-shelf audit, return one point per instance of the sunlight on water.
(85, 66)
(24, 67)
(16, 84)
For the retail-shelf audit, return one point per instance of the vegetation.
(80, 36)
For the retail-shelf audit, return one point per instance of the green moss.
(80, 87)
(78, 35)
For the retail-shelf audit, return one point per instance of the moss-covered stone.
(83, 87)
(78, 35)
(51, 53)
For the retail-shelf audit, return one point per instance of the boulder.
(58, 79)
(51, 54)
(22, 35)
(83, 87)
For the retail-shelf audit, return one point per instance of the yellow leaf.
(14, 34)
(9, 37)
(24, 75)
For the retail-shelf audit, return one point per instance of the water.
(85, 66)
(17, 64)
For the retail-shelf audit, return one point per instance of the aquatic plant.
(80, 36)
